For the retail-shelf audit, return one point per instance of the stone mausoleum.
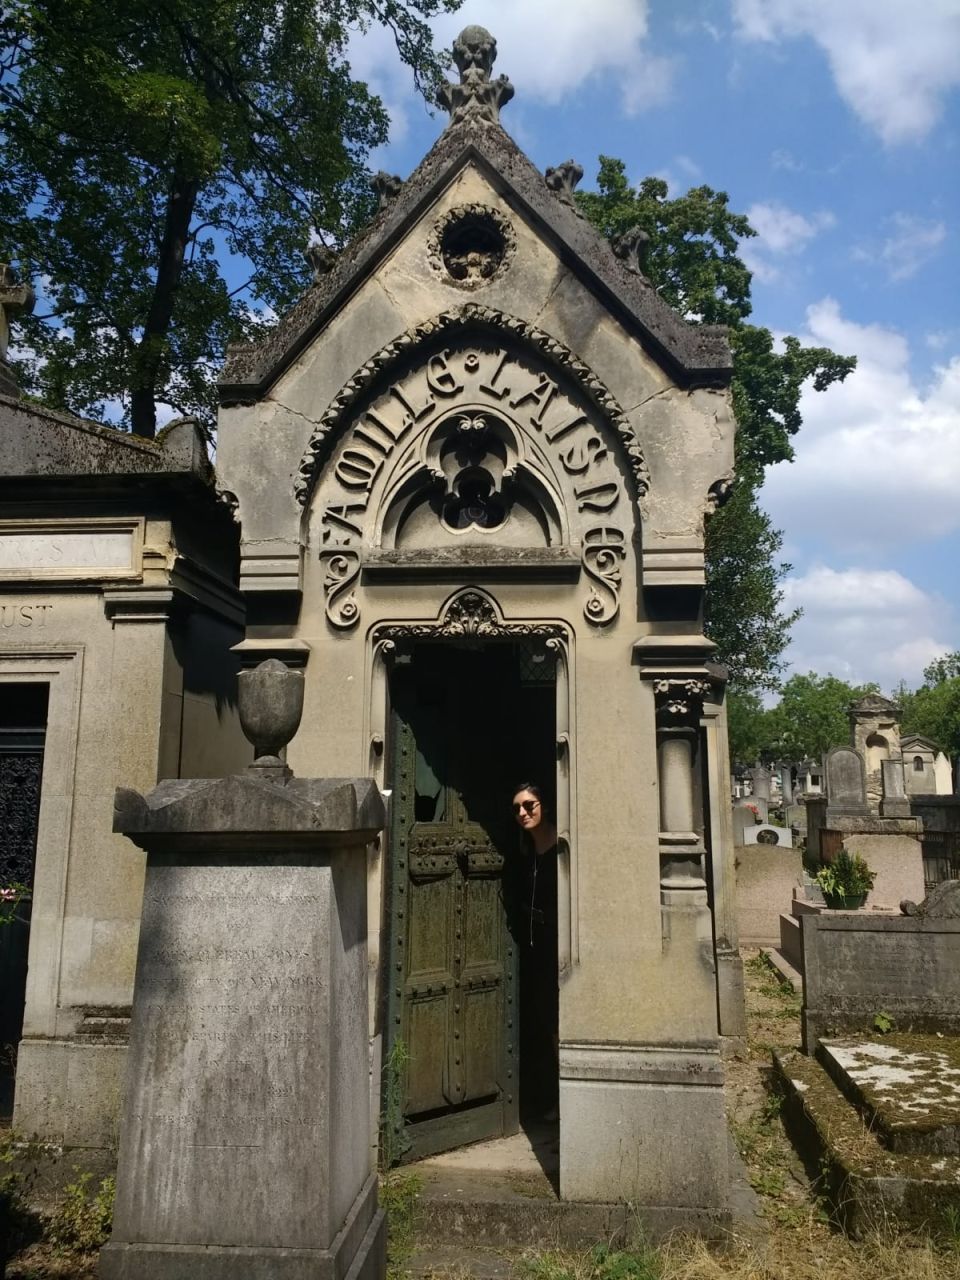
(462, 486)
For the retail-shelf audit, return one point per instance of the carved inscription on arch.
(480, 383)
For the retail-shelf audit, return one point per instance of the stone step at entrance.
(500, 1198)
(868, 1184)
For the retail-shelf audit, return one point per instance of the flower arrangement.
(11, 895)
(846, 881)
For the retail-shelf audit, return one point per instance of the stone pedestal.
(244, 1150)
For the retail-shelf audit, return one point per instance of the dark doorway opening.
(463, 1060)
(23, 725)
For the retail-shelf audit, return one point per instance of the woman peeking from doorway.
(538, 969)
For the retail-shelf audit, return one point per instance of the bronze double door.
(467, 724)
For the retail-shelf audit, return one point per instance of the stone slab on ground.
(868, 1186)
(907, 1087)
(501, 1195)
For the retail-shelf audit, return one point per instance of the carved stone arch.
(341, 409)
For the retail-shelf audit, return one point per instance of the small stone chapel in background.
(462, 485)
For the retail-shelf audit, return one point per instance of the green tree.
(811, 716)
(748, 724)
(934, 709)
(691, 257)
(144, 142)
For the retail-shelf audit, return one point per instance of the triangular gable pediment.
(695, 355)
(919, 742)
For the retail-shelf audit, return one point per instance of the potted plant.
(845, 882)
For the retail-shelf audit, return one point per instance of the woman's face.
(527, 810)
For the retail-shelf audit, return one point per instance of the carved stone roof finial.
(320, 258)
(14, 296)
(564, 178)
(386, 186)
(630, 246)
(476, 96)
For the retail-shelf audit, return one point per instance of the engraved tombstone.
(846, 782)
(244, 1149)
(895, 803)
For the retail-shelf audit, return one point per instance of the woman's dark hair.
(532, 787)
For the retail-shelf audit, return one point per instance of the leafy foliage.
(810, 717)
(691, 257)
(84, 1216)
(847, 876)
(145, 142)
(934, 709)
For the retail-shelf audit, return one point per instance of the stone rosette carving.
(476, 97)
(469, 616)
(486, 267)
(341, 407)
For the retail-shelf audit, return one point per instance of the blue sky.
(835, 124)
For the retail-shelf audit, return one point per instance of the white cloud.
(913, 243)
(781, 232)
(865, 624)
(679, 175)
(546, 49)
(878, 457)
(893, 63)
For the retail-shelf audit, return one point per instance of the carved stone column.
(682, 879)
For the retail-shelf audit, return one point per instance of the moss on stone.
(866, 1184)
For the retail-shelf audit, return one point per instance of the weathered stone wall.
(856, 965)
(116, 590)
(766, 879)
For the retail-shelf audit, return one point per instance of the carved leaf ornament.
(470, 616)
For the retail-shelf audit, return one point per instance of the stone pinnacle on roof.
(14, 297)
(476, 97)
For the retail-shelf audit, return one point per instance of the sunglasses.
(527, 806)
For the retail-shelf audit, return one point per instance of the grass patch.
(399, 1194)
(642, 1262)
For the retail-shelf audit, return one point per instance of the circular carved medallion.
(471, 244)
